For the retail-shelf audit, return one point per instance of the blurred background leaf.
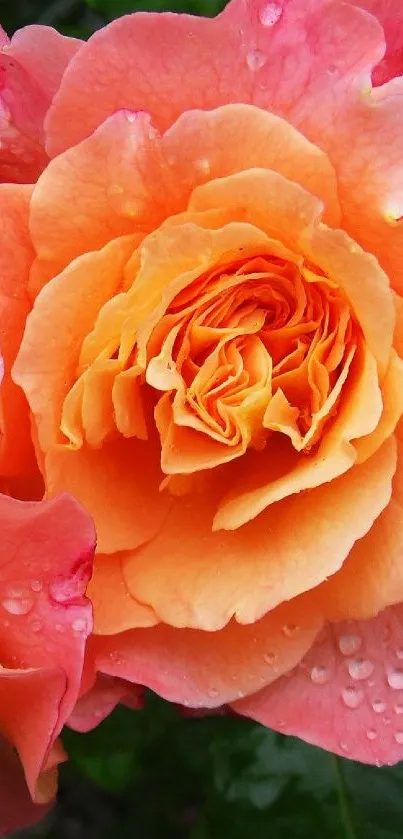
(155, 774)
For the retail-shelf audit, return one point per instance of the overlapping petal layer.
(46, 557)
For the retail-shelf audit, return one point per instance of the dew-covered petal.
(349, 690)
(207, 669)
(46, 555)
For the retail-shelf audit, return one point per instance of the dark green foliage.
(158, 775)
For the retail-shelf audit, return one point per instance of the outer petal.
(45, 561)
(16, 806)
(31, 67)
(311, 63)
(16, 254)
(100, 701)
(390, 15)
(349, 691)
(240, 56)
(194, 577)
(203, 669)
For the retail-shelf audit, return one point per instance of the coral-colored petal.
(16, 254)
(17, 809)
(29, 716)
(245, 55)
(203, 669)
(63, 315)
(194, 577)
(115, 609)
(346, 695)
(118, 485)
(45, 562)
(45, 54)
(101, 699)
(31, 67)
(237, 57)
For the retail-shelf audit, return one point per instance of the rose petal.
(16, 806)
(349, 689)
(134, 179)
(45, 562)
(372, 576)
(237, 57)
(390, 15)
(114, 607)
(16, 254)
(100, 701)
(204, 669)
(191, 576)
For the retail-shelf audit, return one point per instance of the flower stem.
(344, 800)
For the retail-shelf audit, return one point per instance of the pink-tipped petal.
(45, 562)
(17, 810)
(101, 699)
(346, 695)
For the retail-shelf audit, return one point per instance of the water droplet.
(352, 697)
(213, 693)
(332, 69)
(36, 626)
(395, 679)
(360, 668)
(203, 166)
(378, 706)
(399, 653)
(79, 625)
(270, 658)
(398, 709)
(270, 13)
(59, 627)
(65, 591)
(349, 644)
(255, 59)
(399, 737)
(131, 116)
(290, 629)
(21, 605)
(344, 747)
(37, 585)
(320, 675)
(371, 734)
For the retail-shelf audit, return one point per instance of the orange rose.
(211, 363)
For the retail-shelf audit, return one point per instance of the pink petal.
(17, 809)
(207, 669)
(167, 64)
(310, 63)
(31, 67)
(45, 563)
(390, 15)
(101, 699)
(346, 695)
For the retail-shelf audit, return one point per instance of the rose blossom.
(212, 360)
